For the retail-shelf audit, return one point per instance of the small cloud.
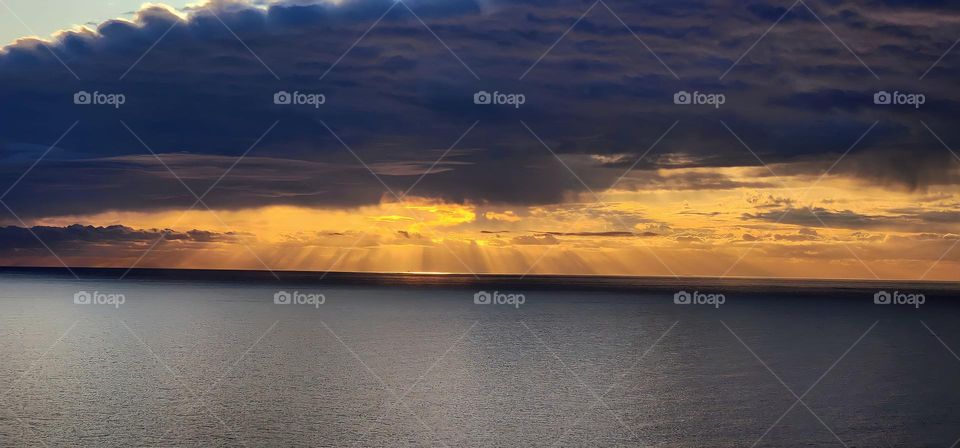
(507, 216)
(532, 240)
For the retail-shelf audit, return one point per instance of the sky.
(43, 18)
(804, 139)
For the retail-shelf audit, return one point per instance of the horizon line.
(514, 276)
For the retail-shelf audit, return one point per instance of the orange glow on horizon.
(859, 231)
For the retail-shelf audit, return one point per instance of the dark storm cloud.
(894, 219)
(604, 234)
(820, 217)
(73, 237)
(909, 167)
(399, 99)
(533, 240)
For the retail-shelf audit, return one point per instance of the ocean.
(208, 358)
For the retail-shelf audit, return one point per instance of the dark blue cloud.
(401, 95)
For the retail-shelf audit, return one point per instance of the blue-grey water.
(217, 363)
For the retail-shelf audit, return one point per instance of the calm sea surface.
(217, 363)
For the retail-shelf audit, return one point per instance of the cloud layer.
(199, 89)
(349, 136)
